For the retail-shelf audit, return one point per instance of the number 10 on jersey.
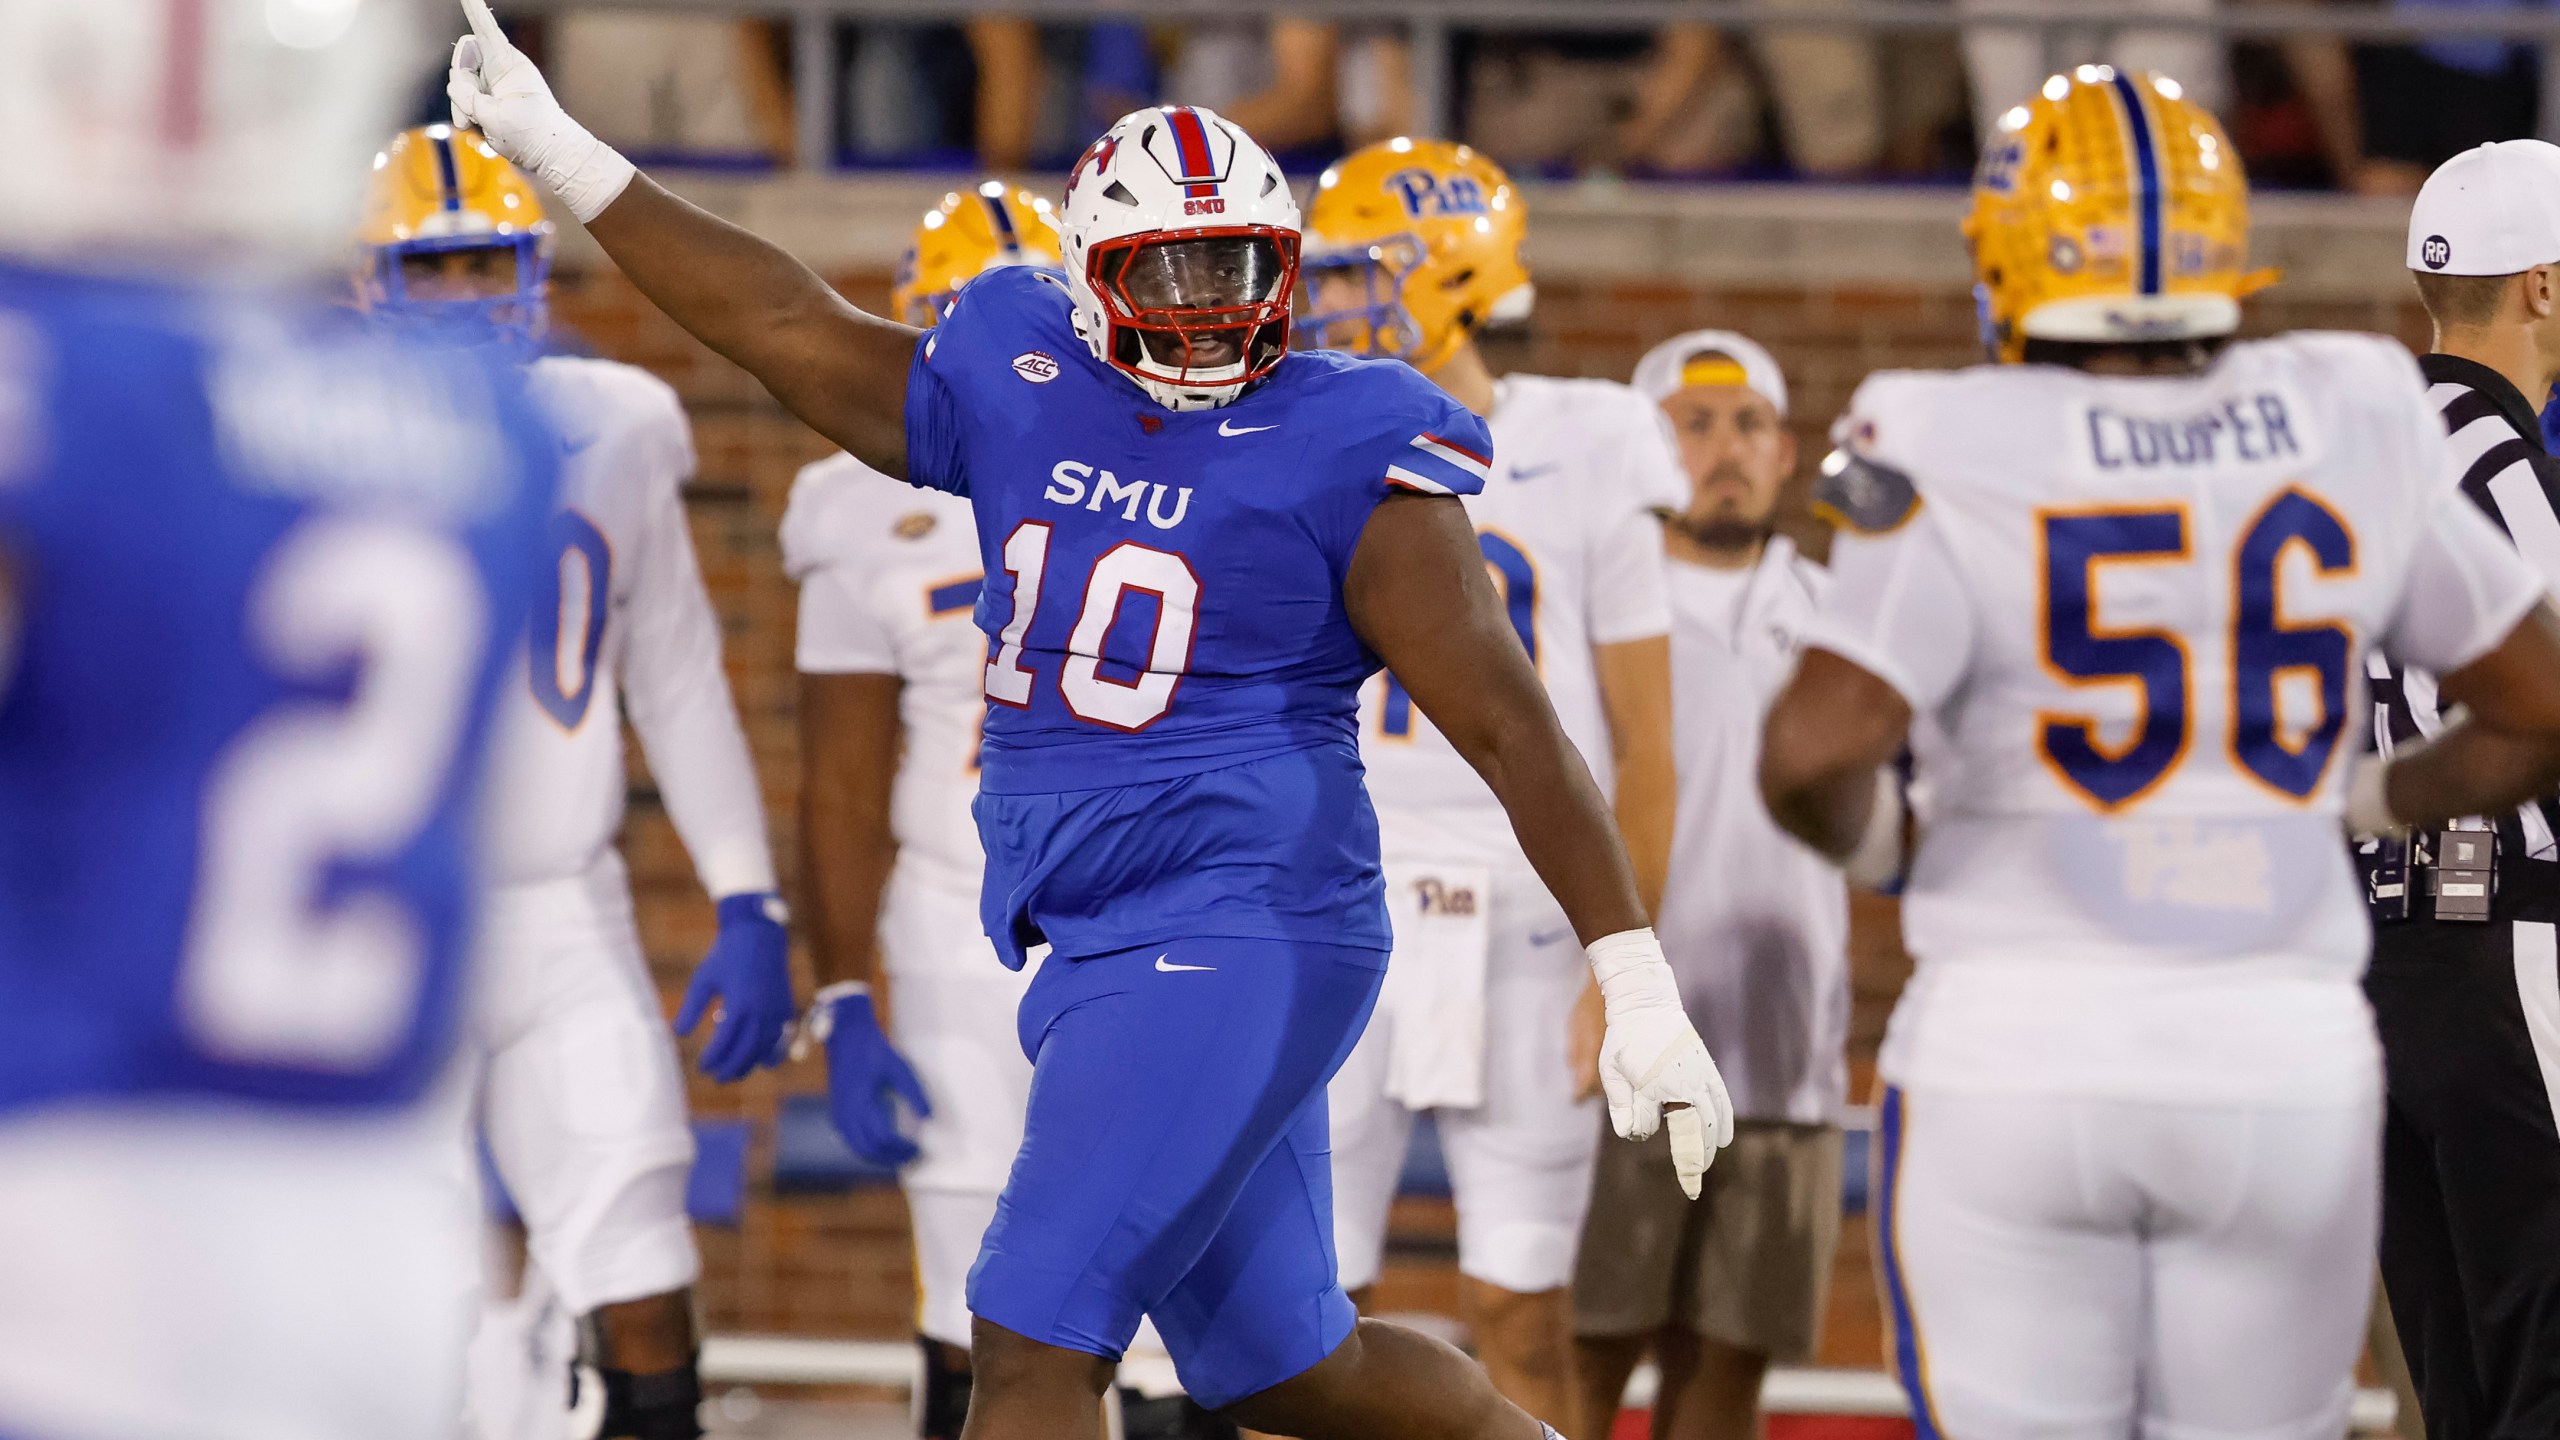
(1091, 695)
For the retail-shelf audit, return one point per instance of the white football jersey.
(623, 622)
(889, 575)
(2132, 615)
(1569, 533)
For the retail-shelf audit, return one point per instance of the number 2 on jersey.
(1090, 694)
(298, 954)
(2266, 650)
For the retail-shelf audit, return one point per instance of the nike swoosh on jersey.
(1549, 938)
(1532, 472)
(1230, 429)
(1169, 967)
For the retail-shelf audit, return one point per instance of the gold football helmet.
(2109, 209)
(1431, 232)
(984, 228)
(437, 191)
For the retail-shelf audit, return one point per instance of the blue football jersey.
(1164, 590)
(264, 573)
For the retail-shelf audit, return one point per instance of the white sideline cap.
(1712, 357)
(2491, 210)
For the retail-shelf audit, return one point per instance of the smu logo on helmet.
(1097, 158)
(1426, 194)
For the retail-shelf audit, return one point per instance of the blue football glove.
(749, 973)
(863, 1072)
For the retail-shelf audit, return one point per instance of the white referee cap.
(2491, 210)
(1710, 357)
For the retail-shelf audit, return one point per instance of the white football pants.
(2071, 1269)
(583, 1101)
(952, 1010)
(1520, 1163)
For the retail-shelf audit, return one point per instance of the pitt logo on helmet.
(1427, 192)
(968, 233)
(2109, 209)
(1413, 246)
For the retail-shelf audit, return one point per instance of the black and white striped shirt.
(2496, 437)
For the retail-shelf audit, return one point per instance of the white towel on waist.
(1433, 1001)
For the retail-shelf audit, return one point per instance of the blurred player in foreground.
(261, 578)
(583, 1102)
(1413, 246)
(2133, 1109)
(890, 668)
(1197, 545)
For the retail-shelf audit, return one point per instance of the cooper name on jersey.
(1074, 483)
(2246, 429)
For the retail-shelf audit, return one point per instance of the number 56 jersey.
(2132, 615)
(1163, 604)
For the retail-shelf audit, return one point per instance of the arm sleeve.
(1897, 608)
(2465, 591)
(841, 631)
(1630, 598)
(933, 421)
(678, 699)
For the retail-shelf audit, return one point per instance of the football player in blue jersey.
(1197, 545)
(264, 572)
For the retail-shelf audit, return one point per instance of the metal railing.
(1430, 25)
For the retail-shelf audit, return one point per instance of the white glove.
(1651, 1058)
(497, 91)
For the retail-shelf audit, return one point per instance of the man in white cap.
(1756, 927)
(2465, 979)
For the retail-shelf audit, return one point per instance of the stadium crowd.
(1685, 101)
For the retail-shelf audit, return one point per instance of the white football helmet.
(1182, 253)
(196, 132)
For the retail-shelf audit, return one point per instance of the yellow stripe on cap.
(1713, 368)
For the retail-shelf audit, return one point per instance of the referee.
(2466, 974)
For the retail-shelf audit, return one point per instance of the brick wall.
(839, 1266)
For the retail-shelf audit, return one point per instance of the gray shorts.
(1747, 1263)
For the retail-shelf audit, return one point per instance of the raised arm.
(1418, 595)
(841, 371)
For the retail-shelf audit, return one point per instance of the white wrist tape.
(2368, 806)
(819, 1020)
(587, 173)
(1878, 857)
(1631, 972)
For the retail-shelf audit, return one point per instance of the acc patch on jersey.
(1867, 496)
